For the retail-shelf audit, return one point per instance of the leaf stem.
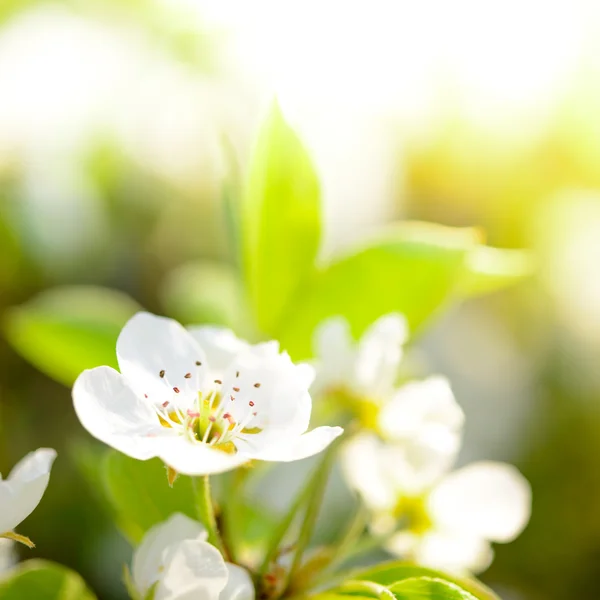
(206, 510)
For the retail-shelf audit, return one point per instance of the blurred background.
(122, 122)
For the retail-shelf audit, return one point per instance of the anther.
(218, 381)
(251, 403)
(176, 390)
(162, 373)
(236, 389)
(198, 363)
(254, 414)
(237, 373)
(231, 397)
(192, 413)
(257, 385)
(211, 419)
(145, 395)
(165, 404)
(187, 375)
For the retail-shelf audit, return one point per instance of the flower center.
(412, 511)
(208, 421)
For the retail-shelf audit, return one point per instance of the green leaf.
(68, 329)
(428, 588)
(205, 292)
(413, 270)
(389, 573)
(280, 221)
(140, 496)
(43, 580)
(492, 269)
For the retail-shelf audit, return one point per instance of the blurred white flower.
(23, 489)
(444, 520)
(201, 400)
(364, 369)
(176, 562)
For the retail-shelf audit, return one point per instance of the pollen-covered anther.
(165, 404)
(218, 381)
(194, 414)
(198, 363)
(257, 385)
(250, 403)
(236, 389)
(188, 375)
(162, 373)
(232, 398)
(176, 390)
(211, 418)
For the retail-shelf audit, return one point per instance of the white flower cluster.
(401, 464)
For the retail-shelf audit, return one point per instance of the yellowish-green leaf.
(68, 329)
(43, 580)
(280, 221)
(429, 588)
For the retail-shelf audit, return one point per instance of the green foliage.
(140, 496)
(414, 269)
(68, 329)
(428, 588)
(390, 573)
(43, 580)
(280, 221)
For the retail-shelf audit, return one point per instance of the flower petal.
(220, 346)
(418, 405)
(161, 360)
(109, 409)
(239, 584)
(364, 472)
(190, 458)
(379, 354)
(149, 557)
(265, 389)
(486, 499)
(22, 491)
(287, 448)
(194, 569)
(439, 550)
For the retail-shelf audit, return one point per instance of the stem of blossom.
(317, 491)
(206, 511)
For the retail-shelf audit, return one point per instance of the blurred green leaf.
(280, 220)
(412, 270)
(428, 588)
(491, 269)
(205, 292)
(43, 580)
(68, 329)
(140, 496)
(390, 573)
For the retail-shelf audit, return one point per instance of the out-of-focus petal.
(239, 584)
(486, 499)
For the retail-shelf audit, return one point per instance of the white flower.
(446, 521)
(201, 400)
(23, 489)
(177, 563)
(365, 369)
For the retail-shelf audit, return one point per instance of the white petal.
(148, 346)
(438, 550)
(486, 499)
(194, 570)
(265, 389)
(287, 448)
(149, 557)
(418, 405)
(379, 355)
(109, 409)
(190, 458)
(220, 346)
(334, 348)
(364, 471)
(239, 584)
(22, 491)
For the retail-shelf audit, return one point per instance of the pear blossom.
(364, 369)
(23, 489)
(175, 562)
(443, 520)
(201, 400)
